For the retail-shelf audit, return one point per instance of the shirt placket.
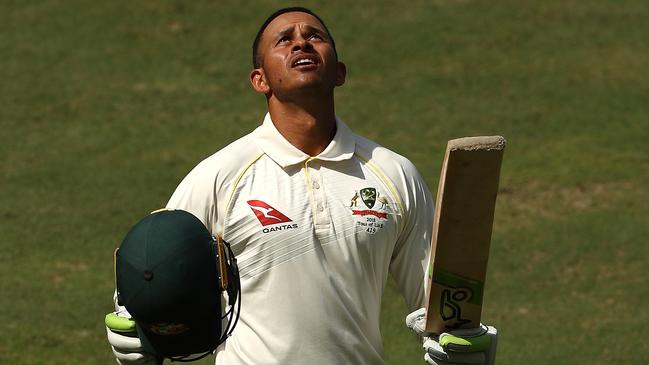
(321, 220)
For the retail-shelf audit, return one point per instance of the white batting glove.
(475, 346)
(122, 336)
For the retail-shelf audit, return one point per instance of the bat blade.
(462, 225)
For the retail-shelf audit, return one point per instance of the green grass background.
(106, 105)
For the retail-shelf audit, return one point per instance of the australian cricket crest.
(168, 328)
(369, 196)
(369, 220)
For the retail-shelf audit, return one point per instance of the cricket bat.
(466, 198)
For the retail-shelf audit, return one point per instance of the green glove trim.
(119, 324)
(460, 344)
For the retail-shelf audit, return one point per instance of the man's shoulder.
(230, 158)
(383, 157)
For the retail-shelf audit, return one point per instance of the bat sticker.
(458, 290)
(449, 307)
(474, 288)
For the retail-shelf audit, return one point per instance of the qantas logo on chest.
(268, 216)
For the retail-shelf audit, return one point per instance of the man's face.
(297, 55)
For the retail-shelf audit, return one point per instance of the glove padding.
(466, 346)
(127, 347)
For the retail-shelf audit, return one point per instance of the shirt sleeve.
(197, 194)
(412, 250)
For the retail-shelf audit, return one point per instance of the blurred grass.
(105, 106)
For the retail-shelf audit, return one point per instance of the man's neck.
(309, 128)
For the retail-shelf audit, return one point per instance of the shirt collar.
(285, 154)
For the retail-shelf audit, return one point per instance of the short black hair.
(256, 62)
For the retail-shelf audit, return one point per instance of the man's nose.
(301, 44)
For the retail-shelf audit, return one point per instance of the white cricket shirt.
(315, 238)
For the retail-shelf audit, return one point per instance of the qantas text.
(283, 227)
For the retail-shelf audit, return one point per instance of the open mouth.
(305, 62)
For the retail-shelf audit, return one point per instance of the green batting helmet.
(170, 274)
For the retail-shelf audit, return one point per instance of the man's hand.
(127, 347)
(466, 346)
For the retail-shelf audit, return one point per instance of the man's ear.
(258, 81)
(341, 72)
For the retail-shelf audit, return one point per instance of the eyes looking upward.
(307, 32)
